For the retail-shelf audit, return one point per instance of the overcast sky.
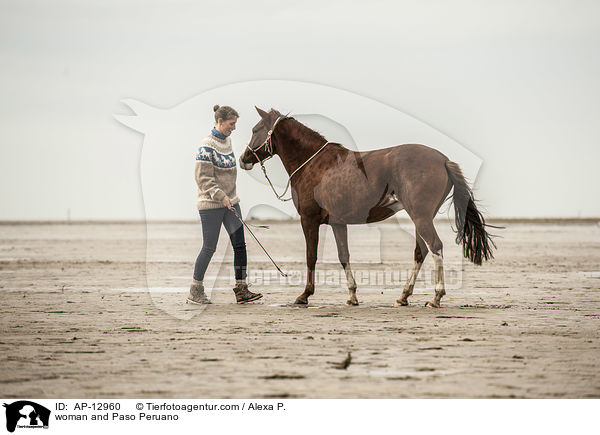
(515, 82)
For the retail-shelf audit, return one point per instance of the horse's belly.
(392, 202)
(380, 213)
(348, 195)
(360, 209)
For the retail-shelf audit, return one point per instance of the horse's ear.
(261, 112)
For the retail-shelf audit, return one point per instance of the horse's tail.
(470, 224)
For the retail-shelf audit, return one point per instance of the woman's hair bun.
(216, 107)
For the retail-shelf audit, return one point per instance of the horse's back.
(407, 154)
(370, 186)
(404, 163)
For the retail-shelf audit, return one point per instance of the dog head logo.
(26, 414)
(171, 138)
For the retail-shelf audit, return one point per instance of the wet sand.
(78, 319)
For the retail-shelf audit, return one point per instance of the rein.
(268, 143)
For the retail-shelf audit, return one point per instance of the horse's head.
(260, 147)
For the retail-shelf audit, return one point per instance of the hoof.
(301, 302)
(432, 304)
(400, 303)
(352, 302)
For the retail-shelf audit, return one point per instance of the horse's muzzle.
(245, 166)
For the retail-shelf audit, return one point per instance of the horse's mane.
(305, 133)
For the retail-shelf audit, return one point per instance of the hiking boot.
(243, 295)
(197, 295)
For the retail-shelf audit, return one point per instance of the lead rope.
(287, 186)
(257, 241)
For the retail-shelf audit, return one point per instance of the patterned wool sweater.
(216, 172)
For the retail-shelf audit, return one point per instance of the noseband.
(268, 143)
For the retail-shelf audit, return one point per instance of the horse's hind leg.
(426, 230)
(420, 254)
(340, 232)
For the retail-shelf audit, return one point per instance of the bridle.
(268, 143)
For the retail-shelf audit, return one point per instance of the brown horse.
(336, 186)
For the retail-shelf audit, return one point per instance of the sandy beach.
(97, 310)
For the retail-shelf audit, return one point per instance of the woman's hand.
(227, 203)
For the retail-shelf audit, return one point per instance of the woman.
(217, 204)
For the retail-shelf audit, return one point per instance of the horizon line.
(189, 221)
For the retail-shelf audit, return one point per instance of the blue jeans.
(211, 227)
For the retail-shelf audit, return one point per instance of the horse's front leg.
(311, 235)
(340, 232)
